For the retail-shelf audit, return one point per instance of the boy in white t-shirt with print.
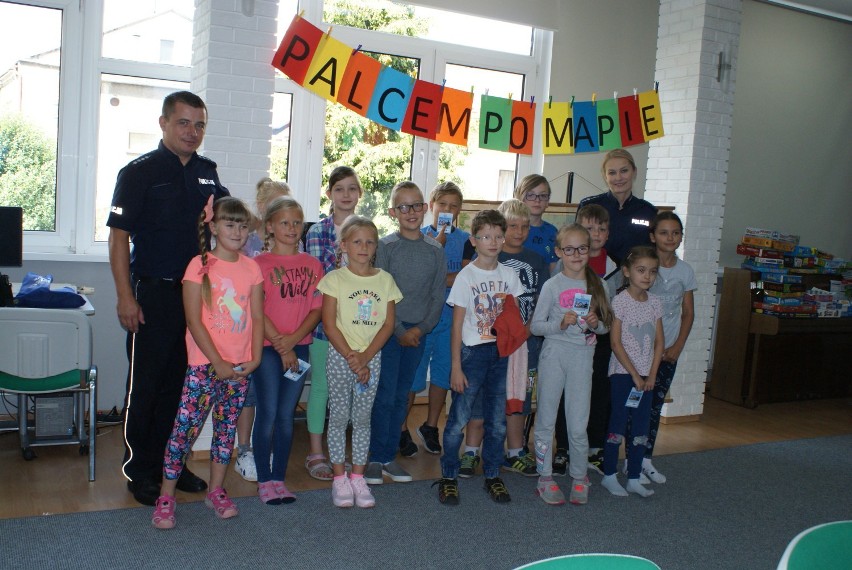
(477, 298)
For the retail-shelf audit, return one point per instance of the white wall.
(790, 166)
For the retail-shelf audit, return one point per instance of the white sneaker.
(341, 492)
(651, 472)
(643, 479)
(363, 497)
(244, 465)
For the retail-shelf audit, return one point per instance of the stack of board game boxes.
(781, 263)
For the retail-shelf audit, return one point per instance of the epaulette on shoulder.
(209, 161)
(142, 159)
(592, 199)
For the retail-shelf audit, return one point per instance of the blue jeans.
(620, 386)
(436, 356)
(275, 410)
(665, 375)
(486, 375)
(399, 363)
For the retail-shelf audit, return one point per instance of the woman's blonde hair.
(616, 153)
(349, 226)
(229, 209)
(276, 205)
(594, 284)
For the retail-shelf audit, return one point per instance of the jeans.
(486, 374)
(621, 384)
(275, 411)
(665, 375)
(399, 363)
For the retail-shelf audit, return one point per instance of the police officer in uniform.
(629, 217)
(157, 201)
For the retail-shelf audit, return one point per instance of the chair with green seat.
(49, 351)
(595, 561)
(826, 546)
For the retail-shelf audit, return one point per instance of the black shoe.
(560, 462)
(497, 490)
(145, 491)
(189, 482)
(596, 462)
(407, 447)
(448, 491)
(110, 418)
(429, 436)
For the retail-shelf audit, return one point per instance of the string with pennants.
(347, 76)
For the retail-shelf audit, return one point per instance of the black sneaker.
(407, 447)
(523, 464)
(448, 491)
(497, 490)
(596, 462)
(560, 462)
(429, 436)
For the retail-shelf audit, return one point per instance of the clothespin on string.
(443, 84)
(656, 86)
(532, 101)
(550, 102)
(328, 31)
(357, 49)
(615, 95)
(635, 95)
(571, 105)
(594, 99)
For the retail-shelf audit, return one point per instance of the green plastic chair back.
(826, 546)
(592, 562)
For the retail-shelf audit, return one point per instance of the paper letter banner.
(454, 122)
(609, 135)
(423, 113)
(557, 135)
(495, 116)
(333, 70)
(359, 82)
(297, 49)
(522, 127)
(390, 98)
(325, 73)
(649, 109)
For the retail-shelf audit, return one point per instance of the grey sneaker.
(550, 492)
(579, 492)
(396, 473)
(373, 473)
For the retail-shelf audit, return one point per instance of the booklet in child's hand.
(296, 375)
(582, 303)
(634, 398)
(445, 222)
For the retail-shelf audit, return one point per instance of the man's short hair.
(185, 97)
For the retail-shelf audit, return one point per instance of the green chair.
(826, 546)
(592, 562)
(47, 354)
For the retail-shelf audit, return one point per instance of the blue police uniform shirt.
(628, 224)
(158, 200)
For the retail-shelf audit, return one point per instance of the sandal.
(218, 500)
(164, 513)
(268, 493)
(283, 493)
(318, 467)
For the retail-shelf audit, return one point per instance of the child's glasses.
(531, 197)
(404, 208)
(569, 251)
(494, 239)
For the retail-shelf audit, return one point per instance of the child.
(267, 189)
(569, 322)
(532, 271)
(446, 198)
(534, 191)
(637, 346)
(416, 262)
(674, 286)
(595, 219)
(292, 308)
(477, 298)
(344, 191)
(223, 300)
(358, 310)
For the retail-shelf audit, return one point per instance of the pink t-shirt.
(290, 290)
(229, 316)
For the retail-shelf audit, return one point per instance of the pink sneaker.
(283, 493)
(164, 512)
(341, 492)
(222, 505)
(363, 497)
(268, 494)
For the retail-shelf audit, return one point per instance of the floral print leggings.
(203, 390)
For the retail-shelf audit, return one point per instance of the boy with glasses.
(534, 191)
(417, 264)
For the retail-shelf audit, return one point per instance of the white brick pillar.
(231, 71)
(687, 168)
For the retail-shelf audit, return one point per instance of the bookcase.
(760, 358)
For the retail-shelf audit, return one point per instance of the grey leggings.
(348, 404)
